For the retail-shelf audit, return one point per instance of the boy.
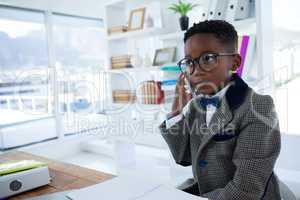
(227, 132)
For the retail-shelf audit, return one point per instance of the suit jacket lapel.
(220, 118)
(219, 121)
(234, 97)
(198, 117)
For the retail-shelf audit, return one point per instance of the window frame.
(48, 24)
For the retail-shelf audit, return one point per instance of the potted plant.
(183, 8)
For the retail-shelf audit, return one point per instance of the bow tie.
(214, 101)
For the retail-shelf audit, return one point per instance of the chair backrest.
(286, 193)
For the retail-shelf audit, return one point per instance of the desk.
(64, 176)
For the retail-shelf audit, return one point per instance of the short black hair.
(222, 30)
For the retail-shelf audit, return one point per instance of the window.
(27, 95)
(287, 63)
(79, 45)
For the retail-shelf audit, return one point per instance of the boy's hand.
(182, 95)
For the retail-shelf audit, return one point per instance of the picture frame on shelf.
(164, 56)
(136, 19)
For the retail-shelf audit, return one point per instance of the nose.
(198, 71)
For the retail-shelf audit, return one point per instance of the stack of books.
(117, 29)
(123, 96)
(119, 62)
(169, 86)
(150, 92)
(168, 82)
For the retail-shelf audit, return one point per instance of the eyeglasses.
(207, 62)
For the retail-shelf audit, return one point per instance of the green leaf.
(174, 5)
(189, 6)
(186, 9)
(175, 8)
(182, 8)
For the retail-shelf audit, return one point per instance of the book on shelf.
(169, 86)
(174, 68)
(121, 65)
(247, 45)
(169, 82)
(150, 92)
(120, 58)
(123, 61)
(117, 29)
(123, 96)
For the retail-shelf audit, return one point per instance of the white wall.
(88, 8)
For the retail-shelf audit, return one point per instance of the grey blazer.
(233, 157)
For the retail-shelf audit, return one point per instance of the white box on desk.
(19, 182)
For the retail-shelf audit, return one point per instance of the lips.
(205, 85)
(202, 83)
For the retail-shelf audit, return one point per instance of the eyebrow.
(206, 52)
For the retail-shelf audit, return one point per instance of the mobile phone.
(190, 88)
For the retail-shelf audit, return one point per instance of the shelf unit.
(168, 34)
(138, 42)
(142, 43)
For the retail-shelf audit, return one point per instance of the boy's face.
(210, 82)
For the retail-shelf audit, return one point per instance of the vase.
(184, 23)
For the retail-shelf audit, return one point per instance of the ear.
(236, 62)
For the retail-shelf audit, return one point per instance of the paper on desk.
(122, 187)
(130, 188)
(166, 192)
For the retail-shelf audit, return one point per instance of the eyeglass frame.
(196, 61)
